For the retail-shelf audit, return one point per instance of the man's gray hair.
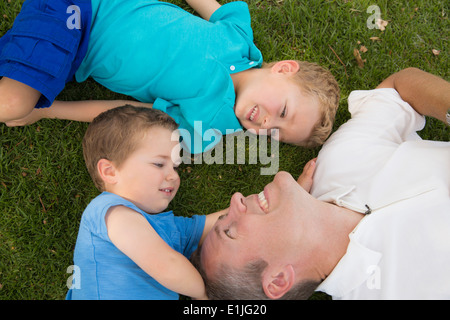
(246, 284)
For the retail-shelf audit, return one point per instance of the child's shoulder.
(105, 198)
(99, 206)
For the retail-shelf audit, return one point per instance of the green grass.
(44, 186)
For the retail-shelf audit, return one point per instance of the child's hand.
(306, 178)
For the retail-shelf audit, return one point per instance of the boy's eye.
(283, 114)
(159, 165)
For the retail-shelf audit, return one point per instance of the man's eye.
(283, 114)
(159, 165)
(227, 233)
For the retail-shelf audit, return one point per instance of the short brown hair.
(245, 284)
(116, 133)
(317, 82)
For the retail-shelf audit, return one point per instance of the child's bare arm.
(131, 233)
(428, 94)
(84, 111)
(205, 8)
(210, 221)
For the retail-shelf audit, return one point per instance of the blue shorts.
(46, 45)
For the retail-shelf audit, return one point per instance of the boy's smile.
(167, 191)
(253, 114)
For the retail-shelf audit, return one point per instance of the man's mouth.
(253, 113)
(263, 202)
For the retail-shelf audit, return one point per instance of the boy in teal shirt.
(197, 70)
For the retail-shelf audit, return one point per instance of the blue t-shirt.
(108, 274)
(157, 52)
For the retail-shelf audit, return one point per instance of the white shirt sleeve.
(380, 122)
(383, 114)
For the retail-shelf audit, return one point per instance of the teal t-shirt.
(103, 272)
(157, 52)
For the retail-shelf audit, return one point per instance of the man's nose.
(282, 178)
(238, 203)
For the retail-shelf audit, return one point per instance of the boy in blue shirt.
(197, 70)
(126, 248)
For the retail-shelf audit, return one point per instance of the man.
(376, 225)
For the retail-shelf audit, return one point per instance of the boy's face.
(148, 177)
(275, 101)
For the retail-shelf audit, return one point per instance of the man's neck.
(337, 224)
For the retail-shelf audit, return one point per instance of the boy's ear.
(278, 282)
(286, 66)
(107, 171)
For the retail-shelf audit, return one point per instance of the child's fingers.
(309, 168)
(306, 178)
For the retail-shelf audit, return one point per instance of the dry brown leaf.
(363, 49)
(359, 60)
(381, 24)
(375, 38)
(436, 52)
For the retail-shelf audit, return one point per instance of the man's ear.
(278, 282)
(107, 171)
(286, 66)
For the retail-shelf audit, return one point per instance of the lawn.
(44, 186)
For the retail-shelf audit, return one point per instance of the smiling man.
(376, 224)
(278, 234)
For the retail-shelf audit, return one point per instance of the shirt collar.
(352, 270)
(344, 196)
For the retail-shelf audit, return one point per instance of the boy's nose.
(265, 123)
(172, 175)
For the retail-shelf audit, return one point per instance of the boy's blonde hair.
(115, 134)
(317, 82)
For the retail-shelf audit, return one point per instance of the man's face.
(260, 226)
